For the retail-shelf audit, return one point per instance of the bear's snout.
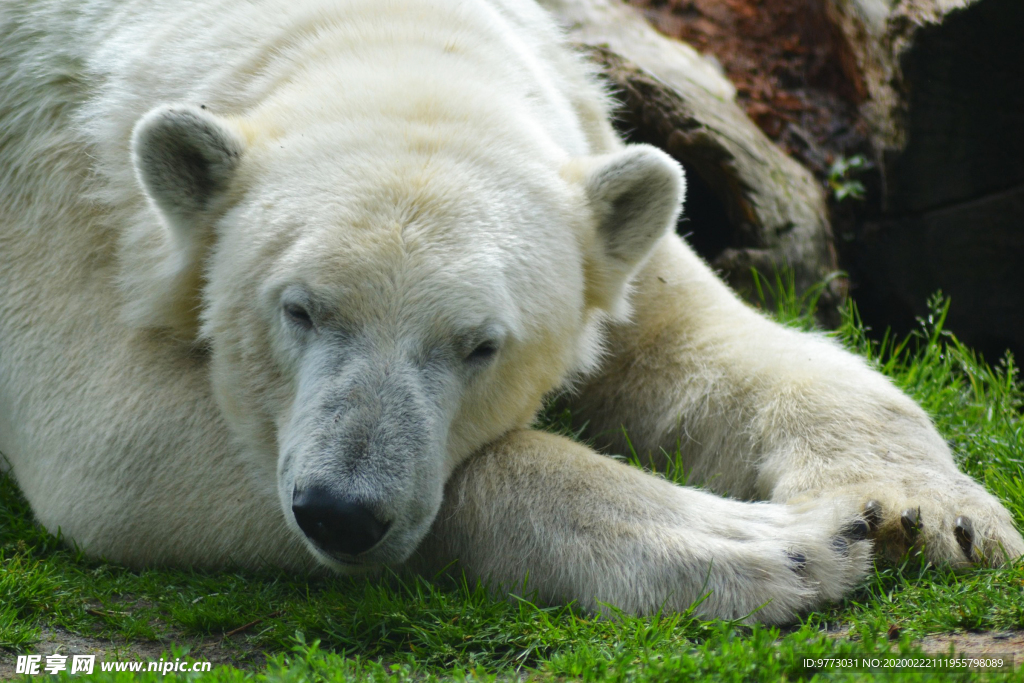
(338, 525)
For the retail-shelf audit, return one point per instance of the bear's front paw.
(951, 520)
(773, 562)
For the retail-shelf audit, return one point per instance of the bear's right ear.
(185, 159)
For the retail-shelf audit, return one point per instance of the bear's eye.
(299, 316)
(483, 352)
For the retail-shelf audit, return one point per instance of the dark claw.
(857, 530)
(799, 561)
(964, 533)
(840, 545)
(873, 515)
(911, 521)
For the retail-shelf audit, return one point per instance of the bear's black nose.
(337, 524)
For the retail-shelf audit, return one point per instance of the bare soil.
(232, 651)
(976, 644)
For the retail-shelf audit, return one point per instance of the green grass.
(387, 629)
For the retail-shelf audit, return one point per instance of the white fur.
(421, 178)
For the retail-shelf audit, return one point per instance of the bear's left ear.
(635, 196)
(185, 159)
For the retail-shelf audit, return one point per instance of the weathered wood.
(945, 83)
(971, 250)
(748, 204)
(945, 102)
(621, 28)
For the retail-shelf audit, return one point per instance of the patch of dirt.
(984, 644)
(793, 74)
(234, 651)
(981, 644)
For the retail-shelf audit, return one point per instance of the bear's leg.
(761, 411)
(586, 528)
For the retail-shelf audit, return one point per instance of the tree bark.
(748, 204)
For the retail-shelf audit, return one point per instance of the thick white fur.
(421, 176)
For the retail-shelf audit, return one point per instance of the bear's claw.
(841, 546)
(798, 561)
(911, 522)
(857, 530)
(964, 533)
(872, 515)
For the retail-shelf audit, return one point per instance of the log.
(748, 204)
(945, 104)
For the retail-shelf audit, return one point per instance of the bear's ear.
(185, 159)
(635, 196)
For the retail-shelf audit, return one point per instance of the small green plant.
(779, 296)
(840, 177)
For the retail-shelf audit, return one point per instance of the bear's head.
(377, 308)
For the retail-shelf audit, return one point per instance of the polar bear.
(286, 282)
